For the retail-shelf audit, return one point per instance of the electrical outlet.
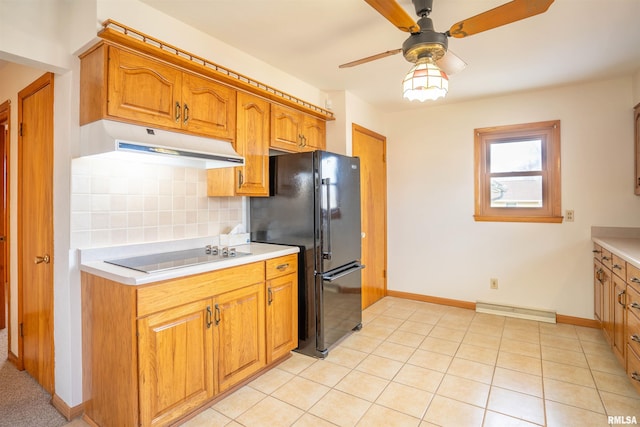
(493, 283)
(568, 215)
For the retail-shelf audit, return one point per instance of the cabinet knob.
(635, 338)
(635, 376)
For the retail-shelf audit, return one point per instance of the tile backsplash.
(117, 202)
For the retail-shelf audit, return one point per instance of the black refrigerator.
(314, 204)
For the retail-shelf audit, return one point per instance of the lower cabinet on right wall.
(617, 306)
(633, 325)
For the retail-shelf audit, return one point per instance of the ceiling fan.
(430, 48)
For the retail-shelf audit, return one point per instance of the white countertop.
(91, 261)
(622, 241)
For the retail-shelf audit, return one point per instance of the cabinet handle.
(186, 113)
(300, 140)
(600, 274)
(617, 266)
(595, 251)
(177, 111)
(635, 280)
(635, 338)
(240, 179)
(209, 314)
(304, 141)
(635, 376)
(606, 258)
(635, 305)
(269, 296)
(282, 266)
(620, 298)
(217, 318)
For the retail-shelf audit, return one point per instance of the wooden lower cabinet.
(175, 362)
(239, 334)
(155, 353)
(282, 316)
(618, 339)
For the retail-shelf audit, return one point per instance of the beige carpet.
(23, 403)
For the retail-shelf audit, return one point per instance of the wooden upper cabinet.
(124, 85)
(208, 107)
(292, 130)
(143, 90)
(314, 133)
(252, 142)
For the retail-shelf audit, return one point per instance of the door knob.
(42, 259)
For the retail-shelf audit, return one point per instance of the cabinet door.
(239, 334)
(286, 128)
(607, 307)
(282, 316)
(175, 362)
(143, 90)
(619, 290)
(208, 108)
(252, 142)
(314, 133)
(598, 289)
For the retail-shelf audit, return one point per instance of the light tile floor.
(421, 364)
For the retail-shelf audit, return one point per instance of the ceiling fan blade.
(370, 58)
(501, 15)
(395, 14)
(451, 63)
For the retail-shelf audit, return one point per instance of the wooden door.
(253, 143)
(144, 90)
(607, 305)
(598, 274)
(35, 230)
(239, 344)
(175, 359)
(208, 108)
(4, 230)
(282, 316)
(370, 147)
(286, 128)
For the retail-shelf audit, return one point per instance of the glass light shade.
(425, 81)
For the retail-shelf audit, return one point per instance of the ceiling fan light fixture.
(425, 81)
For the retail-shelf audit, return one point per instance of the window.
(517, 173)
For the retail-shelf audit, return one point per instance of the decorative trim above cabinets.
(122, 35)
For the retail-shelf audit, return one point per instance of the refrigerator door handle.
(333, 276)
(327, 254)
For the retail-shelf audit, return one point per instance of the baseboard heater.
(519, 312)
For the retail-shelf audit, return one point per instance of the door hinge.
(20, 130)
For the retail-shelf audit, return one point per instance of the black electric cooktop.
(169, 260)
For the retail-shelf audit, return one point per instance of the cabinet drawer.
(597, 252)
(633, 331)
(175, 292)
(633, 368)
(280, 266)
(619, 266)
(633, 276)
(607, 260)
(633, 301)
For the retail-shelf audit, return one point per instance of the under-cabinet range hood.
(111, 139)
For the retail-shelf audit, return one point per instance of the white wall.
(436, 248)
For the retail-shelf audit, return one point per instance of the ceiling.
(574, 41)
